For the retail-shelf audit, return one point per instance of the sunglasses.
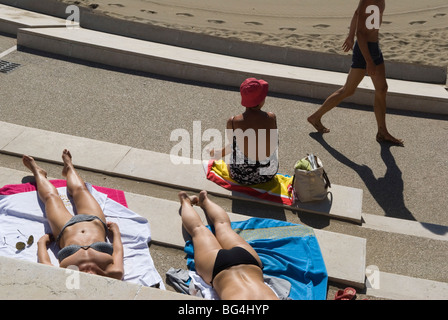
(22, 245)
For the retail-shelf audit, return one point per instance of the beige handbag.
(310, 182)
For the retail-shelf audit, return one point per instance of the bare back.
(263, 125)
(242, 282)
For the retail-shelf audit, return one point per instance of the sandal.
(346, 294)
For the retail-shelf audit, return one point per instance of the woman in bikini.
(256, 130)
(81, 238)
(224, 259)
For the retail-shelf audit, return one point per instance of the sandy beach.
(412, 31)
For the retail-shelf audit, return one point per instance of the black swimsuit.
(227, 258)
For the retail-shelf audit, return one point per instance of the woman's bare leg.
(224, 233)
(55, 210)
(85, 203)
(205, 244)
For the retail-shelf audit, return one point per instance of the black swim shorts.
(358, 61)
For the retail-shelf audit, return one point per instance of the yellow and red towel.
(278, 190)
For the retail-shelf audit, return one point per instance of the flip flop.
(346, 294)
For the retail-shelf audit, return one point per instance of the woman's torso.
(242, 282)
(85, 234)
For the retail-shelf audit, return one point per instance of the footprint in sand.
(148, 11)
(116, 5)
(253, 23)
(183, 14)
(287, 29)
(438, 15)
(94, 5)
(386, 22)
(417, 22)
(321, 26)
(216, 21)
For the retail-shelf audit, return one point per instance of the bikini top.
(73, 248)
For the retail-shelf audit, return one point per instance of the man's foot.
(388, 138)
(317, 124)
(33, 167)
(67, 159)
(183, 197)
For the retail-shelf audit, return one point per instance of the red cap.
(253, 92)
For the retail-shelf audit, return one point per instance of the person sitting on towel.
(224, 259)
(81, 238)
(254, 136)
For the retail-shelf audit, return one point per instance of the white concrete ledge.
(344, 255)
(12, 19)
(208, 67)
(342, 203)
(408, 227)
(100, 21)
(24, 280)
(398, 287)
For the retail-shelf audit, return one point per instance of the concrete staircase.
(345, 256)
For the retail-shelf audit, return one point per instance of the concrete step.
(24, 280)
(343, 202)
(134, 54)
(344, 255)
(12, 19)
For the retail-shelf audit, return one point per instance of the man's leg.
(354, 78)
(381, 87)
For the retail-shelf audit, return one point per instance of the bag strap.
(328, 183)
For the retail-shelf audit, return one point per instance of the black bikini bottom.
(227, 258)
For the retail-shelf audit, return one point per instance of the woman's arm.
(221, 153)
(116, 270)
(42, 252)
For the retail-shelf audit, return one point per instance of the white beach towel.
(22, 215)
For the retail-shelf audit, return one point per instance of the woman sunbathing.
(81, 238)
(256, 130)
(224, 260)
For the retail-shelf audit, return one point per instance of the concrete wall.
(92, 19)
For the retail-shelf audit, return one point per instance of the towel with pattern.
(278, 190)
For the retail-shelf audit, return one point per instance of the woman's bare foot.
(317, 124)
(33, 167)
(203, 197)
(387, 137)
(67, 159)
(183, 197)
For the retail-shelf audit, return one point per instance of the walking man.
(367, 58)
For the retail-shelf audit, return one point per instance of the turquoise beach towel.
(288, 251)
